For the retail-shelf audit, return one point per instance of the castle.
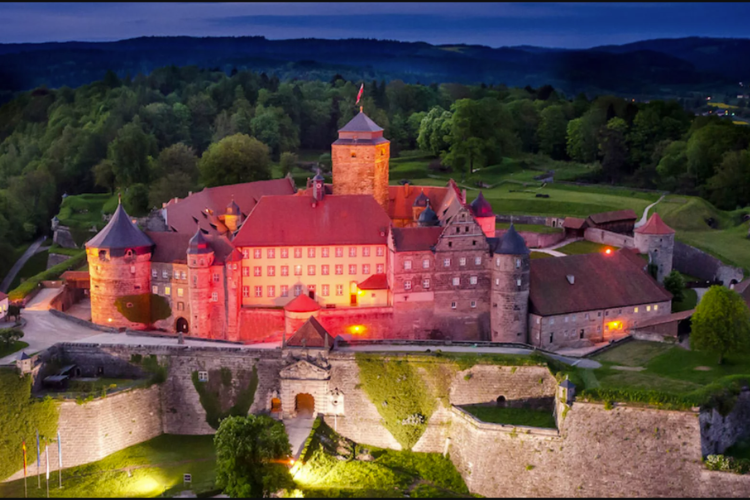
(253, 261)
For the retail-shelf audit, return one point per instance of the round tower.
(200, 257)
(119, 259)
(420, 203)
(233, 217)
(510, 288)
(485, 217)
(360, 160)
(656, 240)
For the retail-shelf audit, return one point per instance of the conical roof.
(319, 177)
(481, 207)
(361, 123)
(511, 243)
(428, 217)
(302, 303)
(233, 208)
(422, 200)
(198, 244)
(655, 226)
(120, 233)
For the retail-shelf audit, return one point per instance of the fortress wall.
(693, 262)
(608, 238)
(535, 240)
(374, 322)
(257, 324)
(720, 432)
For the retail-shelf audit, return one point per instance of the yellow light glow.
(615, 325)
(109, 320)
(608, 251)
(357, 329)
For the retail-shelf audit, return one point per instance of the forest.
(159, 136)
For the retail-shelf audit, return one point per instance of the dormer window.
(354, 154)
(103, 254)
(129, 253)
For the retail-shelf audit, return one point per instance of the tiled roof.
(360, 141)
(183, 214)
(415, 239)
(655, 226)
(361, 123)
(198, 244)
(170, 247)
(617, 215)
(335, 220)
(511, 243)
(302, 303)
(120, 234)
(573, 223)
(374, 282)
(402, 199)
(669, 318)
(601, 281)
(313, 333)
(481, 207)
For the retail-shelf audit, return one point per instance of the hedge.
(52, 273)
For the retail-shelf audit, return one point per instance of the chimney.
(407, 189)
(571, 279)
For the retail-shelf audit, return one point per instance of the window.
(164, 274)
(446, 263)
(324, 269)
(271, 291)
(154, 289)
(580, 334)
(256, 271)
(379, 251)
(365, 269)
(180, 306)
(573, 318)
(380, 268)
(426, 284)
(180, 292)
(216, 277)
(324, 252)
(203, 262)
(285, 270)
(566, 319)
(586, 315)
(297, 290)
(311, 252)
(311, 270)
(184, 276)
(462, 261)
(365, 251)
(167, 290)
(477, 261)
(407, 285)
(518, 283)
(245, 291)
(599, 314)
(426, 264)
(271, 253)
(497, 281)
(407, 264)
(352, 268)
(245, 253)
(551, 337)
(635, 310)
(656, 307)
(552, 321)
(518, 263)
(456, 281)
(154, 273)
(298, 270)
(453, 305)
(284, 290)
(132, 269)
(473, 280)
(339, 251)
(297, 253)
(339, 289)
(214, 297)
(259, 291)
(648, 308)
(352, 251)
(271, 271)
(245, 271)
(497, 262)
(202, 376)
(473, 303)
(339, 269)
(257, 253)
(324, 291)
(284, 253)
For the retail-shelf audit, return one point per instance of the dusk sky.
(570, 25)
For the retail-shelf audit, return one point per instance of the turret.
(510, 288)
(200, 257)
(119, 259)
(428, 217)
(233, 217)
(656, 240)
(482, 211)
(318, 187)
(420, 204)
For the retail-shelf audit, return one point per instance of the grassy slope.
(35, 265)
(688, 302)
(533, 228)
(17, 346)
(107, 477)
(579, 247)
(513, 416)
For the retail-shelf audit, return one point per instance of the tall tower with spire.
(360, 160)
(510, 288)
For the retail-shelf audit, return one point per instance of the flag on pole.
(23, 446)
(46, 455)
(359, 95)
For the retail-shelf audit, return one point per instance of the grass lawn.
(7, 259)
(35, 265)
(533, 228)
(689, 301)
(579, 247)
(540, 255)
(634, 353)
(15, 347)
(513, 416)
(156, 466)
(390, 473)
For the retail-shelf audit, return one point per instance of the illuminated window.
(518, 283)
(365, 269)
(256, 271)
(311, 252)
(339, 251)
(456, 281)
(380, 268)
(426, 264)
(379, 251)
(352, 251)
(154, 273)
(324, 269)
(271, 271)
(245, 253)
(324, 252)
(311, 270)
(473, 303)
(473, 280)
(132, 269)
(284, 290)
(202, 376)
(453, 305)
(297, 253)
(365, 251)
(271, 291)
(339, 289)
(259, 291)
(154, 289)
(462, 261)
(284, 253)
(426, 284)
(477, 261)
(216, 277)
(214, 297)
(407, 264)
(167, 290)
(407, 285)
(352, 268)
(354, 155)
(339, 269)
(446, 263)
(180, 292)
(648, 308)
(271, 253)
(497, 281)
(635, 310)
(257, 253)
(324, 290)
(245, 291)
(297, 290)
(298, 270)
(656, 307)
(285, 270)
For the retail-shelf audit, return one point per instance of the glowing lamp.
(357, 329)
(291, 461)
(608, 251)
(109, 320)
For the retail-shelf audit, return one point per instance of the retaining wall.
(691, 261)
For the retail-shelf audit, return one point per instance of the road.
(644, 219)
(33, 248)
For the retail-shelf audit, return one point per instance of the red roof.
(402, 199)
(601, 281)
(416, 239)
(172, 247)
(70, 276)
(182, 215)
(573, 223)
(374, 282)
(335, 220)
(616, 216)
(312, 333)
(302, 303)
(3, 296)
(655, 226)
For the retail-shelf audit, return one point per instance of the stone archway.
(304, 405)
(181, 325)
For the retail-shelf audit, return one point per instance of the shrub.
(145, 308)
(52, 273)
(10, 336)
(211, 399)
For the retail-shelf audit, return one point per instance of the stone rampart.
(536, 240)
(608, 238)
(693, 262)
(719, 432)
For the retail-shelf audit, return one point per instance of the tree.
(434, 130)
(730, 187)
(675, 285)
(129, 154)
(233, 160)
(613, 149)
(177, 158)
(174, 185)
(246, 448)
(136, 199)
(721, 323)
(288, 161)
(10, 336)
(552, 132)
